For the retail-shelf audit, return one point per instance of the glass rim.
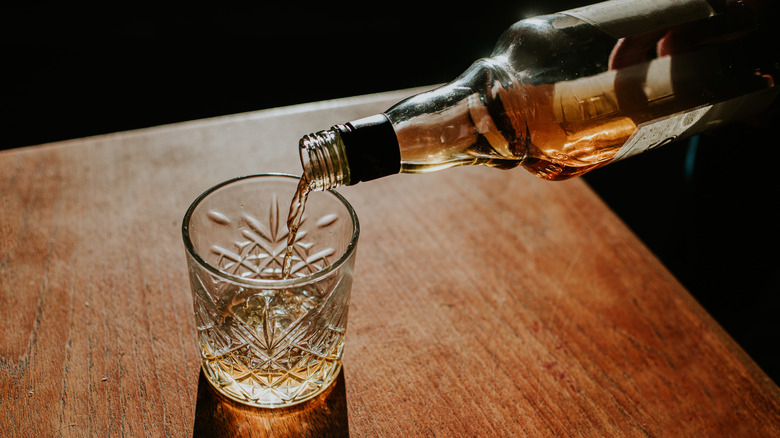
(265, 283)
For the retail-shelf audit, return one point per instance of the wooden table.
(485, 303)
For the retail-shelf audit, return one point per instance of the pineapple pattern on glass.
(260, 254)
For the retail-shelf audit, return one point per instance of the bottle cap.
(371, 147)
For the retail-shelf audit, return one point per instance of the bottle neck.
(323, 160)
(360, 150)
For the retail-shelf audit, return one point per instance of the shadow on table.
(324, 416)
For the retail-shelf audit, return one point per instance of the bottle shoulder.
(553, 48)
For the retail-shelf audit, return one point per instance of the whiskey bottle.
(565, 93)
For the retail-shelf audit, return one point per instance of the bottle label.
(621, 18)
(660, 132)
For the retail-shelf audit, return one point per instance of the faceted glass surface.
(267, 341)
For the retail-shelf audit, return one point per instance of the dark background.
(706, 208)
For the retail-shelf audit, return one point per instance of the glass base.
(257, 392)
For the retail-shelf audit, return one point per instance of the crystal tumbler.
(265, 340)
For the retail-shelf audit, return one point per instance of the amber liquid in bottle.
(565, 93)
(507, 111)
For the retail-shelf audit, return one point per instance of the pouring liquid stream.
(294, 219)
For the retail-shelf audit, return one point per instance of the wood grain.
(485, 302)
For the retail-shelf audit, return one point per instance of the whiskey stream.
(294, 218)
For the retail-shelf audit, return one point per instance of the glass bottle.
(565, 93)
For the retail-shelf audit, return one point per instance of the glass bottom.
(270, 390)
